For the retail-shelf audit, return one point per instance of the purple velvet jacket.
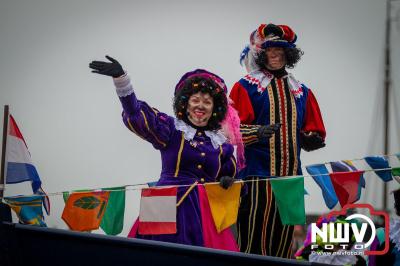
(187, 156)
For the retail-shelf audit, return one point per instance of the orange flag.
(84, 211)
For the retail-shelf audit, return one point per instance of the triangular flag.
(224, 204)
(346, 185)
(84, 210)
(158, 211)
(380, 162)
(320, 174)
(18, 159)
(289, 196)
(113, 219)
(27, 208)
(348, 166)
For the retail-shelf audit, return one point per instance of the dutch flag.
(19, 166)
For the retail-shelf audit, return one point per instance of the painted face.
(276, 58)
(200, 107)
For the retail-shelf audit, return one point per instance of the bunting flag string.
(138, 187)
(319, 177)
(87, 209)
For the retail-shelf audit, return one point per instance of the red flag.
(158, 211)
(346, 186)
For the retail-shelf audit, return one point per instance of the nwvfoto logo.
(339, 233)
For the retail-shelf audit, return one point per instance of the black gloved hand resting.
(265, 132)
(113, 69)
(310, 141)
(226, 182)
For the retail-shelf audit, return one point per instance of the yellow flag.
(224, 204)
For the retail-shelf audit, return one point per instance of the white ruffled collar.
(263, 78)
(216, 137)
(394, 232)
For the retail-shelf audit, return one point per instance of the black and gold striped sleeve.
(249, 133)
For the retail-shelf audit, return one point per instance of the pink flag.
(158, 211)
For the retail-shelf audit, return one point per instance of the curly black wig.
(200, 84)
(292, 56)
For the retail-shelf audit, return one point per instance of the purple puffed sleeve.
(143, 120)
(228, 162)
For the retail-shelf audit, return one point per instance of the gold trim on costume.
(254, 221)
(294, 134)
(178, 161)
(186, 193)
(234, 167)
(271, 139)
(286, 151)
(132, 129)
(219, 161)
(148, 128)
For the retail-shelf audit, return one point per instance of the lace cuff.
(123, 85)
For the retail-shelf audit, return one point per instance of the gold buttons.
(199, 133)
(201, 142)
(202, 180)
(199, 166)
(203, 154)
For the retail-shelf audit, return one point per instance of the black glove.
(265, 132)
(310, 141)
(113, 69)
(226, 181)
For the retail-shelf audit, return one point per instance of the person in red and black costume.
(269, 95)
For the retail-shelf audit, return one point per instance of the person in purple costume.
(193, 149)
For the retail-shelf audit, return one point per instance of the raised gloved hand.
(265, 132)
(226, 181)
(310, 141)
(113, 69)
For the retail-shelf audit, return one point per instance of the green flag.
(396, 171)
(113, 219)
(289, 196)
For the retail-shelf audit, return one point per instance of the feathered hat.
(266, 35)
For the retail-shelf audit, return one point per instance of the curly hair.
(200, 84)
(292, 56)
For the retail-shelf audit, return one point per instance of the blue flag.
(320, 175)
(380, 162)
(27, 208)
